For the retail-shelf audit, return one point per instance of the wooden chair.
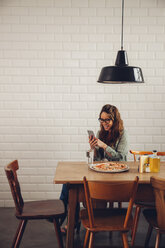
(34, 210)
(139, 153)
(156, 218)
(140, 205)
(109, 219)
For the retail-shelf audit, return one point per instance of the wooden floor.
(40, 234)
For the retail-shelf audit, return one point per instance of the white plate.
(93, 167)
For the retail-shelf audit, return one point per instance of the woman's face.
(106, 124)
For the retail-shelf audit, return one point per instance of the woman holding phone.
(111, 142)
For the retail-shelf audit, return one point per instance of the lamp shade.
(121, 72)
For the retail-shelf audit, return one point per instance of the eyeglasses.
(107, 121)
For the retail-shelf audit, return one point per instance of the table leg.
(73, 193)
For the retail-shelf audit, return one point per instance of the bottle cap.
(154, 150)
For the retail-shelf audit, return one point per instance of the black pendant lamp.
(121, 73)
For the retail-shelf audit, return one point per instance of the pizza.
(110, 167)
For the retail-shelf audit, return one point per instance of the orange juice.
(154, 164)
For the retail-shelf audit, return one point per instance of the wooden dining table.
(72, 173)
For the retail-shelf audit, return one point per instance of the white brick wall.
(51, 54)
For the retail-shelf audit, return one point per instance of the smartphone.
(91, 133)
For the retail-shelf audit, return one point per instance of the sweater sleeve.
(120, 152)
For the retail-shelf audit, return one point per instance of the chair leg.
(125, 240)
(119, 204)
(110, 235)
(157, 240)
(19, 234)
(148, 236)
(111, 205)
(58, 233)
(86, 239)
(135, 224)
(91, 240)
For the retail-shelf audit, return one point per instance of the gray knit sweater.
(118, 152)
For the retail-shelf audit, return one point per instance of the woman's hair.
(110, 138)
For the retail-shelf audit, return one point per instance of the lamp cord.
(122, 24)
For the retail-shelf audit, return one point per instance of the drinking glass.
(90, 155)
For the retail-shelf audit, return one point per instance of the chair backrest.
(11, 174)
(139, 153)
(158, 185)
(111, 191)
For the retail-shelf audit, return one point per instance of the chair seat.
(42, 209)
(145, 204)
(106, 219)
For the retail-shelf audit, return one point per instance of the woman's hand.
(92, 142)
(101, 144)
(96, 142)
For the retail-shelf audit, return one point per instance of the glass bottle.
(147, 167)
(154, 161)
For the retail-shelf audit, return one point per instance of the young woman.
(111, 141)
